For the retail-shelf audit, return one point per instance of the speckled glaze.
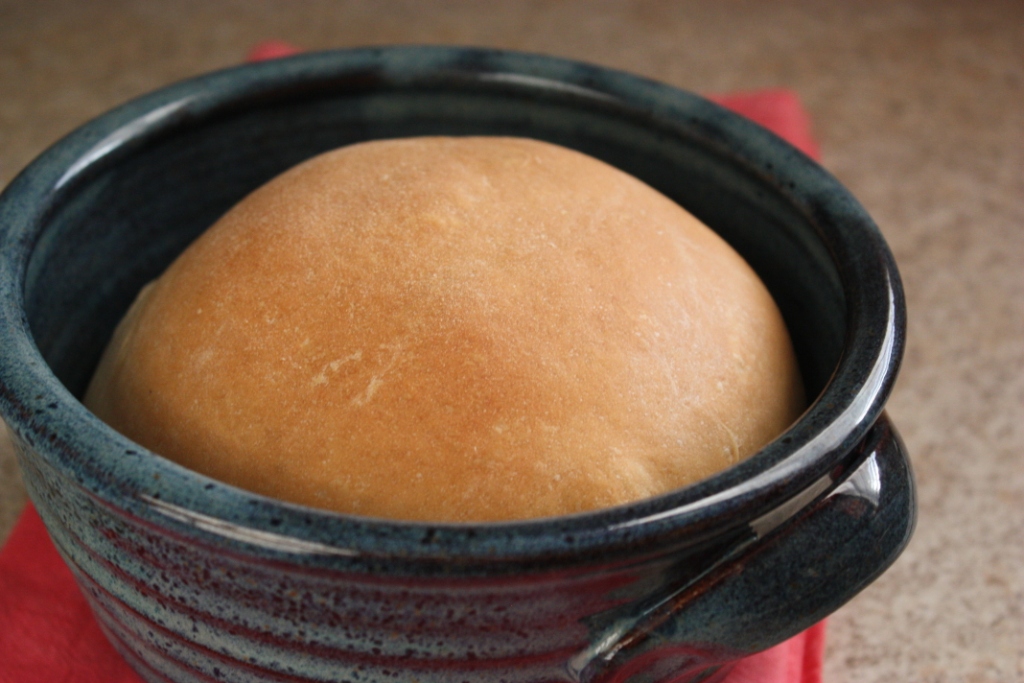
(194, 580)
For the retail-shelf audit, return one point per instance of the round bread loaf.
(453, 329)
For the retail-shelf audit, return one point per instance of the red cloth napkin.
(777, 109)
(48, 634)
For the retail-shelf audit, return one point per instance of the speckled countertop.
(919, 109)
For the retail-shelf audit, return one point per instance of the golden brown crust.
(463, 329)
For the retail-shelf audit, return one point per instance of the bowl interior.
(120, 222)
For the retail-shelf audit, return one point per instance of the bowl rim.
(125, 477)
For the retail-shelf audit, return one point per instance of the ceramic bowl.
(194, 580)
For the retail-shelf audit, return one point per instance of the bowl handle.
(773, 587)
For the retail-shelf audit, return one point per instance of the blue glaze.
(197, 580)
